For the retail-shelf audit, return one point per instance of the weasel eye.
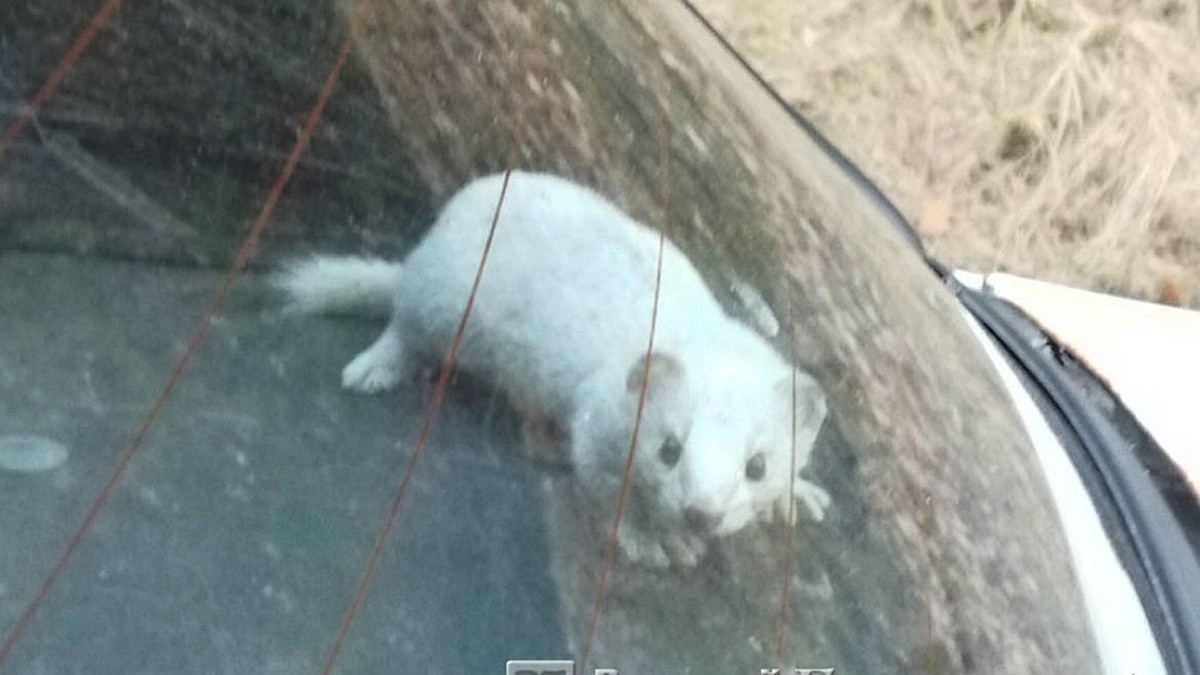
(670, 451)
(756, 468)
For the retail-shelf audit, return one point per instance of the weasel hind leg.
(379, 367)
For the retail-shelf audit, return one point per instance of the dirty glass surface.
(197, 478)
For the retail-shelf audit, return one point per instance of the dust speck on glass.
(339, 336)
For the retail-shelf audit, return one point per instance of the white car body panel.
(1121, 628)
(1148, 354)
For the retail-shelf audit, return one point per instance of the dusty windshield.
(368, 337)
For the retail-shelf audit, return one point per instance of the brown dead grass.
(1058, 139)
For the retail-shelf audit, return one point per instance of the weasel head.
(715, 445)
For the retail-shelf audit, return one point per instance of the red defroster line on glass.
(99, 20)
(439, 394)
(611, 551)
(243, 256)
(790, 525)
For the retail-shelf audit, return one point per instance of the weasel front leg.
(658, 550)
(685, 549)
(636, 542)
(640, 546)
(379, 367)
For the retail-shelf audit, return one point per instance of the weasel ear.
(666, 373)
(810, 402)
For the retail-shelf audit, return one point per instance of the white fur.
(340, 284)
(561, 320)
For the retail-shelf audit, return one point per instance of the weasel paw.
(684, 550)
(374, 370)
(639, 548)
(369, 378)
(814, 497)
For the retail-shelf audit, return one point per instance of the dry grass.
(1053, 138)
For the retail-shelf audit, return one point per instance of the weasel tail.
(340, 284)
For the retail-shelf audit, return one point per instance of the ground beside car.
(1053, 140)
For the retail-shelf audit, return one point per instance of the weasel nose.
(699, 519)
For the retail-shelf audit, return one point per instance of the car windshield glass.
(342, 336)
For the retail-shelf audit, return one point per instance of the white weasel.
(561, 321)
